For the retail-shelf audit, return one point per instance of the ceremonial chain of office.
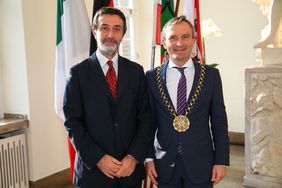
(181, 123)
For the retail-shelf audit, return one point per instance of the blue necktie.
(181, 92)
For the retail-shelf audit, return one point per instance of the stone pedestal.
(263, 136)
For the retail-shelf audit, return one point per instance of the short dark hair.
(110, 11)
(177, 20)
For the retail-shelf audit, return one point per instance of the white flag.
(73, 41)
(192, 12)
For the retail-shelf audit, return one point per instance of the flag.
(157, 23)
(96, 6)
(72, 46)
(163, 12)
(167, 14)
(192, 12)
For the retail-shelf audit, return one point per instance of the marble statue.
(271, 42)
(266, 127)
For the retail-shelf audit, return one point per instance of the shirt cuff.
(133, 158)
(148, 160)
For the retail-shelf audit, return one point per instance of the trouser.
(179, 178)
(117, 185)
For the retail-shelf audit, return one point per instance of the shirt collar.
(188, 64)
(103, 59)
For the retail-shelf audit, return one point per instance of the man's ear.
(94, 32)
(163, 42)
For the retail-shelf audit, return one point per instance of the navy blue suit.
(205, 143)
(97, 125)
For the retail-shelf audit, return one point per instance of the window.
(127, 47)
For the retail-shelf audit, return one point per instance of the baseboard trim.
(236, 138)
(59, 179)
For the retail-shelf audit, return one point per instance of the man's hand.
(218, 173)
(128, 164)
(151, 171)
(109, 165)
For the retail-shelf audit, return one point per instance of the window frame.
(130, 19)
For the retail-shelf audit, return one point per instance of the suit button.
(116, 124)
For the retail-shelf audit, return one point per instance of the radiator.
(13, 162)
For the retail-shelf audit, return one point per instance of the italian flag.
(72, 43)
(72, 46)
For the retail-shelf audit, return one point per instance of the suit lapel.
(97, 75)
(163, 74)
(122, 77)
(196, 79)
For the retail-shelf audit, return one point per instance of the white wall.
(240, 22)
(47, 137)
(27, 68)
(1, 91)
(144, 31)
(13, 61)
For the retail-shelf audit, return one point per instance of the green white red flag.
(72, 43)
(72, 46)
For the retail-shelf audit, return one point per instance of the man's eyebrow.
(117, 25)
(103, 24)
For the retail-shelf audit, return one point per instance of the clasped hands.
(112, 167)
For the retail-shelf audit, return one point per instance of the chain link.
(195, 95)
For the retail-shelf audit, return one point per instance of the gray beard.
(109, 49)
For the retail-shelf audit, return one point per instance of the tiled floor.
(234, 178)
(236, 171)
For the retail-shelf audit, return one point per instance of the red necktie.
(112, 78)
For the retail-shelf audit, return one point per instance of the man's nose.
(179, 42)
(110, 33)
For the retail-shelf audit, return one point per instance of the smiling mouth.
(179, 49)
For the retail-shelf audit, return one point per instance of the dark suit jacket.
(205, 143)
(97, 125)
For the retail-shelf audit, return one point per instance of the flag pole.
(156, 29)
(176, 8)
(153, 57)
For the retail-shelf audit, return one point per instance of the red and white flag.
(163, 12)
(157, 23)
(192, 12)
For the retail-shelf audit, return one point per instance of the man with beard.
(107, 112)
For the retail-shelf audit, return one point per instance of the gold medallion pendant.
(181, 123)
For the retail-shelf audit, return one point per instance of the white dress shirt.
(173, 76)
(103, 62)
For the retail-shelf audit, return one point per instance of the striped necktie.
(181, 92)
